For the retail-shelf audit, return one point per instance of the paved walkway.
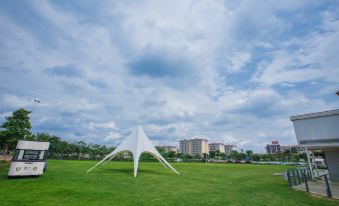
(318, 187)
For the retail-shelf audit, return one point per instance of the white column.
(309, 162)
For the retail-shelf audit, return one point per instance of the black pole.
(302, 175)
(306, 183)
(299, 181)
(289, 178)
(308, 173)
(295, 180)
(328, 189)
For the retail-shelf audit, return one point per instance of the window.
(30, 155)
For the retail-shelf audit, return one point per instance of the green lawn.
(66, 183)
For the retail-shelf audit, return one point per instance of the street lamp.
(35, 104)
(34, 107)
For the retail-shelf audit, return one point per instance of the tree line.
(18, 126)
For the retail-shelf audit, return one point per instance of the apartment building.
(194, 147)
(185, 146)
(228, 148)
(273, 148)
(170, 148)
(216, 147)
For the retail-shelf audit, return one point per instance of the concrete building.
(320, 131)
(216, 147)
(273, 148)
(194, 147)
(170, 148)
(185, 147)
(229, 148)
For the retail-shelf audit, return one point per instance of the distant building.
(228, 148)
(170, 148)
(273, 148)
(216, 146)
(292, 148)
(194, 147)
(185, 146)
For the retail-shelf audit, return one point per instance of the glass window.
(42, 154)
(31, 155)
(21, 154)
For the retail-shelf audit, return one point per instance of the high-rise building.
(229, 148)
(273, 148)
(170, 148)
(216, 147)
(185, 146)
(199, 147)
(194, 147)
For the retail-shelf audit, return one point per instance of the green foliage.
(160, 150)
(171, 154)
(17, 126)
(64, 150)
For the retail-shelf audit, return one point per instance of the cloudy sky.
(230, 71)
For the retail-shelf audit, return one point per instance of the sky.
(229, 71)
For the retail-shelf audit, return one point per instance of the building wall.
(185, 147)
(273, 148)
(170, 148)
(332, 160)
(194, 147)
(229, 148)
(217, 146)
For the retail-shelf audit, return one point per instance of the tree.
(249, 154)
(234, 154)
(17, 126)
(43, 137)
(80, 148)
(256, 157)
(171, 154)
(211, 154)
(223, 155)
(217, 154)
(241, 156)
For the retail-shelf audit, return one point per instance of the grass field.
(66, 183)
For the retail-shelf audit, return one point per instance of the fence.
(298, 176)
(301, 179)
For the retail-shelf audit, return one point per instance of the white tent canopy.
(137, 142)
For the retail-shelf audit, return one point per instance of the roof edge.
(315, 114)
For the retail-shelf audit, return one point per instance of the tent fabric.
(136, 143)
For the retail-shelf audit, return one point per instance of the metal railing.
(298, 176)
(303, 176)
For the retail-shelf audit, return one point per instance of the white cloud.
(15, 101)
(239, 60)
(220, 40)
(107, 125)
(112, 136)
